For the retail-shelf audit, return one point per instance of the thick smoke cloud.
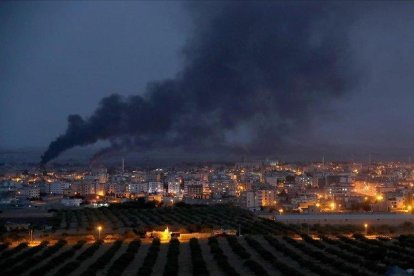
(253, 74)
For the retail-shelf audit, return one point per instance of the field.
(184, 218)
(125, 219)
(246, 255)
(265, 247)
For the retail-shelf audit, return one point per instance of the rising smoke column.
(254, 70)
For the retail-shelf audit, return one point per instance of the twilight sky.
(61, 58)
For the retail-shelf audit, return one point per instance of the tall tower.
(323, 163)
(123, 165)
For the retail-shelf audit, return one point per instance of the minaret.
(323, 162)
(123, 165)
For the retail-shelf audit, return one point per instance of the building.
(255, 200)
(137, 188)
(29, 192)
(155, 187)
(113, 188)
(193, 190)
(174, 187)
(58, 188)
(71, 202)
(88, 188)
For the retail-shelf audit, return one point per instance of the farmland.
(246, 255)
(185, 219)
(264, 248)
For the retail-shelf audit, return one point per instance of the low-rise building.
(29, 192)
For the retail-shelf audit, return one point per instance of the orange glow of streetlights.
(99, 228)
(366, 229)
(280, 211)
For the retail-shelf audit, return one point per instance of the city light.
(366, 229)
(99, 228)
(165, 235)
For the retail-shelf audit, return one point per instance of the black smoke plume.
(253, 73)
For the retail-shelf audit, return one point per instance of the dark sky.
(62, 58)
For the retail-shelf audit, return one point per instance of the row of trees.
(12, 260)
(339, 253)
(171, 267)
(364, 260)
(73, 265)
(316, 250)
(380, 251)
(150, 258)
(395, 250)
(237, 248)
(103, 260)
(57, 260)
(36, 259)
(197, 260)
(406, 241)
(344, 255)
(221, 258)
(241, 251)
(3, 247)
(121, 263)
(331, 264)
(271, 258)
(13, 251)
(194, 218)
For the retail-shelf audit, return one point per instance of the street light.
(31, 235)
(366, 229)
(99, 231)
(280, 211)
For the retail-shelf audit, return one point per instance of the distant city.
(262, 186)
